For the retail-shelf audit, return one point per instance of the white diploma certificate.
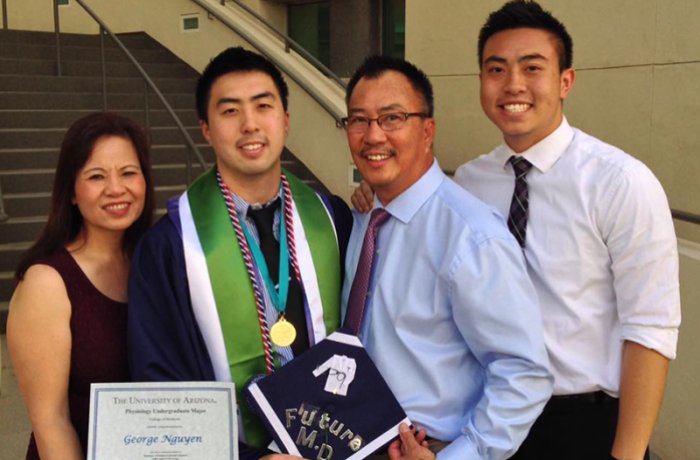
(163, 421)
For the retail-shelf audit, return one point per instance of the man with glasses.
(436, 287)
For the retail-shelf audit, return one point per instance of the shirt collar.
(546, 152)
(407, 204)
(242, 205)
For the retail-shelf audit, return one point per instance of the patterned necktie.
(517, 219)
(360, 285)
(264, 219)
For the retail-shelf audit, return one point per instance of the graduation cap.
(329, 403)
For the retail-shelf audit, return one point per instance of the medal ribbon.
(289, 218)
(248, 257)
(278, 294)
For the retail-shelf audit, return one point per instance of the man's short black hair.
(236, 60)
(517, 14)
(375, 66)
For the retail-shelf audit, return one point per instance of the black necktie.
(264, 219)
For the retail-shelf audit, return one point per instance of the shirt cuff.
(663, 340)
(460, 449)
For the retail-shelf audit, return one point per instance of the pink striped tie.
(360, 285)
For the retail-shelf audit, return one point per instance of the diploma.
(163, 421)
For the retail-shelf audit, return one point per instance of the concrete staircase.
(36, 108)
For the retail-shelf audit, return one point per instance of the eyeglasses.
(388, 122)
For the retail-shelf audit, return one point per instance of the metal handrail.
(289, 42)
(685, 216)
(298, 48)
(57, 33)
(103, 28)
(3, 214)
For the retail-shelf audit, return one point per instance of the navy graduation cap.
(330, 403)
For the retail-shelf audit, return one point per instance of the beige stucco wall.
(637, 81)
(29, 15)
(272, 11)
(38, 14)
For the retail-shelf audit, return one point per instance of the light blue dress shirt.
(452, 320)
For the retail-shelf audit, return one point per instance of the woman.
(67, 322)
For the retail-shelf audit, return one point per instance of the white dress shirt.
(600, 249)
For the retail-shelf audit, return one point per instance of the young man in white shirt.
(599, 242)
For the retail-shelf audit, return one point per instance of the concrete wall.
(637, 81)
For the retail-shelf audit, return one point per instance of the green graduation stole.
(232, 287)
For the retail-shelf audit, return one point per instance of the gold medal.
(283, 333)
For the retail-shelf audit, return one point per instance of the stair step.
(177, 153)
(10, 66)
(133, 40)
(63, 118)
(45, 158)
(52, 137)
(80, 52)
(55, 84)
(28, 158)
(4, 307)
(7, 287)
(164, 135)
(21, 229)
(94, 101)
(10, 254)
(173, 174)
(26, 180)
(41, 179)
(27, 204)
(37, 204)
